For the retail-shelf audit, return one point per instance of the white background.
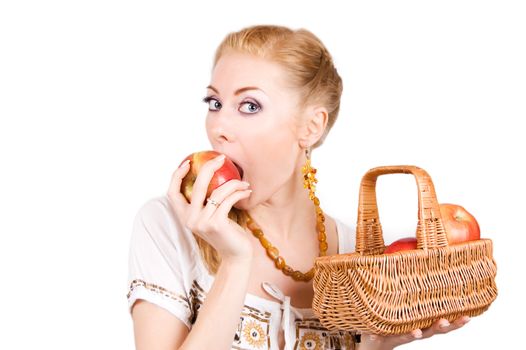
(100, 101)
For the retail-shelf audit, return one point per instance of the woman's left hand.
(378, 342)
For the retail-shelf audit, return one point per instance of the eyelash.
(208, 99)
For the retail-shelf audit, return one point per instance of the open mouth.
(241, 172)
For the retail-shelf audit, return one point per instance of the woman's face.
(253, 119)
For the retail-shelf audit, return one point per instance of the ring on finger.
(213, 202)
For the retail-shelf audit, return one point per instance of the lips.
(239, 169)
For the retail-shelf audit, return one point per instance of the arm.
(219, 315)
(218, 319)
(155, 328)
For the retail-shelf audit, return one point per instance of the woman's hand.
(210, 221)
(377, 342)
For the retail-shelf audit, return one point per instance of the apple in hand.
(408, 243)
(229, 171)
(459, 224)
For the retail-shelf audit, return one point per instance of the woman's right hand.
(210, 221)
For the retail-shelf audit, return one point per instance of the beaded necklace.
(309, 181)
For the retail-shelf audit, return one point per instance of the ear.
(315, 123)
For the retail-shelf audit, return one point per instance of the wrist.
(237, 263)
(243, 257)
(235, 271)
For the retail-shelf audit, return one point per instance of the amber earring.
(309, 176)
(309, 182)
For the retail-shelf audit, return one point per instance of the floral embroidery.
(310, 334)
(254, 334)
(253, 330)
(310, 341)
(254, 325)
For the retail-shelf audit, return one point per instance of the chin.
(243, 204)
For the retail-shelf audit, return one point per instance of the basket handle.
(430, 231)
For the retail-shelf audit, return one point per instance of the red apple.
(408, 243)
(459, 224)
(227, 172)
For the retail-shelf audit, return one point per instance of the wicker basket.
(368, 291)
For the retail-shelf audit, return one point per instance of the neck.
(288, 213)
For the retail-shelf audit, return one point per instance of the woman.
(236, 272)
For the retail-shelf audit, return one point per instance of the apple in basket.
(459, 224)
(229, 171)
(407, 243)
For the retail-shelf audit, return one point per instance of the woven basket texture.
(368, 291)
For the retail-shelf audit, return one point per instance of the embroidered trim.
(327, 340)
(157, 289)
(250, 315)
(311, 341)
(197, 297)
(263, 316)
(252, 319)
(254, 334)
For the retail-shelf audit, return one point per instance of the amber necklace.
(309, 181)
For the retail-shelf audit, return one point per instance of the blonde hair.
(310, 69)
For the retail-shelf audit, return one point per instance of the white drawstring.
(276, 293)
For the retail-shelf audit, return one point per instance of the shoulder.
(156, 221)
(161, 248)
(155, 209)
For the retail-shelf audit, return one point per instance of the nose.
(219, 127)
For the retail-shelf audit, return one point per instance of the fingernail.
(246, 183)
(417, 333)
(466, 319)
(444, 324)
(185, 163)
(220, 158)
(372, 337)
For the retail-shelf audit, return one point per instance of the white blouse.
(166, 269)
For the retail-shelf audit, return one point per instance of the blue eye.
(249, 107)
(213, 104)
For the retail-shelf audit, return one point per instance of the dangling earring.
(309, 176)
(309, 182)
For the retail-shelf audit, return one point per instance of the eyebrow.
(238, 91)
